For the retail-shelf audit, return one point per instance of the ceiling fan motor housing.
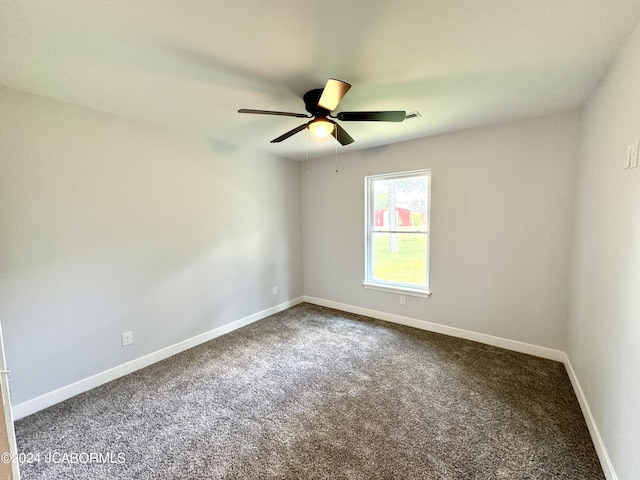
(311, 99)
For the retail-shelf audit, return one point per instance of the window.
(397, 232)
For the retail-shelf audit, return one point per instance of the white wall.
(502, 204)
(604, 329)
(109, 225)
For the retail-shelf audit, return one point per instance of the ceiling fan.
(320, 102)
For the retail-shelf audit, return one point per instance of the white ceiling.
(191, 64)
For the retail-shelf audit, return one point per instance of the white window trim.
(368, 200)
(411, 292)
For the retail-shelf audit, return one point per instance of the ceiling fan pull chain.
(307, 139)
(336, 145)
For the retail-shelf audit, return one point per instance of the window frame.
(369, 223)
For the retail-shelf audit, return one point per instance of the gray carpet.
(315, 393)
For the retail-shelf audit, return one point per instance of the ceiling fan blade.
(290, 133)
(271, 112)
(333, 93)
(389, 116)
(341, 135)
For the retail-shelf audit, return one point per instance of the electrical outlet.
(403, 300)
(275, 290)
(127, 338)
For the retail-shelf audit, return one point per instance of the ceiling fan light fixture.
(321, 127)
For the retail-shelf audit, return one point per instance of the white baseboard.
(544, 352)
(51, 398)
(548, 353)
(603, 456)
(21, 410)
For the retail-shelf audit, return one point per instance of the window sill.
(412, 292)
